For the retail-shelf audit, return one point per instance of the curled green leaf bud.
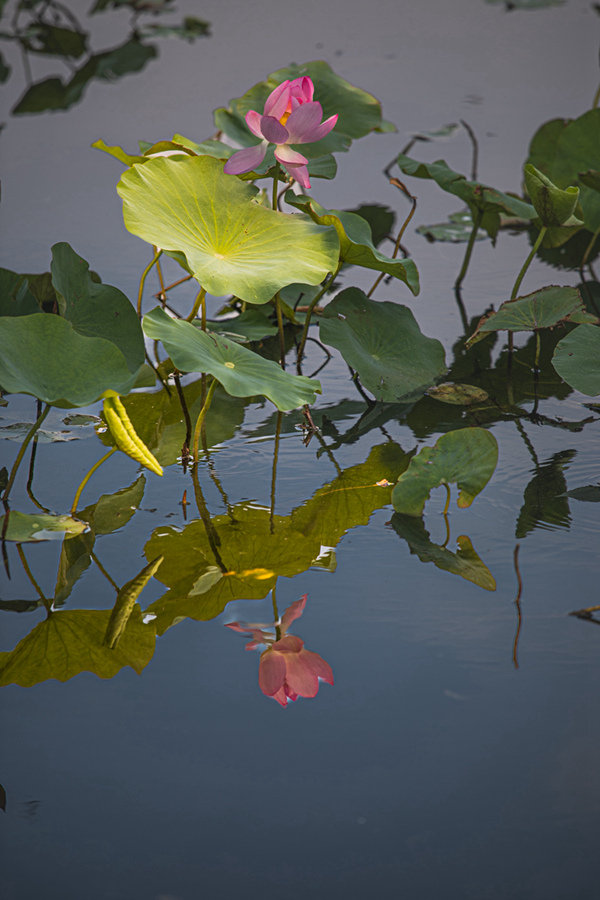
(553, 205)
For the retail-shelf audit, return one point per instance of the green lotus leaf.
(479, 198)
(384, 344)
(564, 148)
(241, 372)
(458, 394)
(24, 527)
(553, 206)
(71, 641)
(16, 299)
(541, 309)
(577, 359)
(465, 562)
(457, 230)
(356, 241)
(126, 158)
(466, 457)
(251, 325)
(232, 245)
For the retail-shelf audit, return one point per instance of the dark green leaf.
(545, 503)
(577, 359)
(589, 493)
(457, 230)
(380, 219)
(52, 40)
(190, 29)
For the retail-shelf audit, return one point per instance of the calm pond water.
(447, 760)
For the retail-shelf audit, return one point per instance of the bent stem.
(527, 262)
(397, 183)
(201, 417)
(326, 287)
(199, 301)
(155, 259)
(87, 477)
(469, 250)
(21, 453)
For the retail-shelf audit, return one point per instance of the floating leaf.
(465, 562)
(466, 457)
(456, 230)
(18, 431)
(356, 242)
(383, 342)
(23, 527)
(231, 244)
(458, 394)
(545, 308)
(590, 493)
(577, 359)
(71, 641)
(241, 372)
(113, 511)
(479, 198)
(20, 606)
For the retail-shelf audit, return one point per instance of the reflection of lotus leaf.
(35, 527)
(465, 562)
(71, 641)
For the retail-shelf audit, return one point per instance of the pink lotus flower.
(286, 670)
(291, 116)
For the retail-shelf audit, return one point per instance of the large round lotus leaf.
(356, 241)
(72, 641)
(232, 245)
(577, 359)
(43, 355)
(384, 344)
(563, 149)
(241, 372)
(540, 309)
(467, 457)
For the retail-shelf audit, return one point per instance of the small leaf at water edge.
(241, 372)
(458, 394)
(456, 230)
(384, 344)
(553, 206)
(232, 245)
(71, 641)
(465, 562)
(467, 458)
(545, 308)
(356, 241)
(23, 527)
(577, 359)
(18, 431)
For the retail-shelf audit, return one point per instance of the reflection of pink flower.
(290, 117)
(286, 671)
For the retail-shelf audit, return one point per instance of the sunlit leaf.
(384, 344)
(465, 562)
(72, 641)
(26, 527)
(241, 372)
(553, 205)
(577, 359)
(356, 242)
(466, 457)
(231, 244)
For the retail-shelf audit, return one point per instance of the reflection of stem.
(518, 605)
(397, 183)
(527, 262)
(217, 482)
(38, 589)
(185, 411)
(311, 307)
(143, 281)
(461, 308)
(446, 520)
(447, 486)
(280, 328)
(589, 248)
(509, 370)
(87, 477)
(201, 417)
(21, 453)
(104, 572)
(32, 465)
(274, 474)
(325, 447)
(527, 443)
(212, 534)
(199, 301)
(275, 612)
(536, 372)
(473, 140)
(469, 249)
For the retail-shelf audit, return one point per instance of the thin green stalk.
(214, 541)
(280, 327)
(87, 477)
(201, 417)
(589, 248)
(309, 313)
(199, 301)
(21, 453)
(275, 612)
(527, 262)
(29, 574)
(397, 183)
(274, 470)
(469, 250)
(275, 185)
(143, 281)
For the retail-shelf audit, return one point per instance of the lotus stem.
(469, 250)
(527, 262)
(155, 259)
(518, 605)
(275, 185)
(201, 417)
(589, 248)
(281, 333)
(447, 506)
(21, 453)
(274, 471)
(309, 313)
(87, 477)
(29, 574)
(397, 183)
(199, 301)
